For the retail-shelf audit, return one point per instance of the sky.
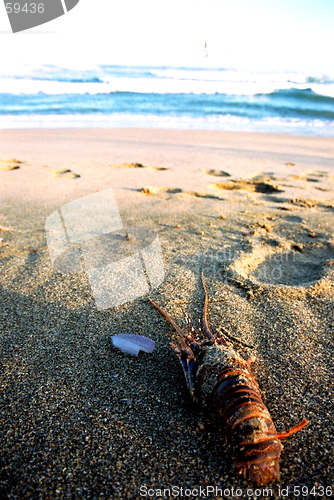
(264, 35)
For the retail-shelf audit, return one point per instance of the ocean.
(50, 96)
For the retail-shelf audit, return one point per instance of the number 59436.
(32, 8)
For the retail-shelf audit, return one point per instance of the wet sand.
(80, 419)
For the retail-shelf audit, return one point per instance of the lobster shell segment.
(229, 387)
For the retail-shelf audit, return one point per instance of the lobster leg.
(188, 361)
(185, 351)
(296, 428)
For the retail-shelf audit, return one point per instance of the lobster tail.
(250, 430)
(256, 448)
(259, 462)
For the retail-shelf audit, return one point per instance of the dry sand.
(80, 419)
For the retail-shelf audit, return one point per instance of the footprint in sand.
(203, 195)
(65, 173)
(307, 203)
(13, 164)
(6, 229)
(304, 177)
(297, 266)
(265, 177)
(315, 176)
(258, 186)
(311, 176)
(217, 173)
(156, 190)
(136, 165)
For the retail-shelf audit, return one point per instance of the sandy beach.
(82, 420)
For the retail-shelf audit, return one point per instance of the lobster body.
(219, 378)
(228, 386)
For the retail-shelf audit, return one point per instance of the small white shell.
(132, 344)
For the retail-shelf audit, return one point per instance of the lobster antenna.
(168, 318)
(205, 324)
(234, 339)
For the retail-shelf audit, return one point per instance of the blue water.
(180, 98)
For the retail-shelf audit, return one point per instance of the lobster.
(220, 379)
